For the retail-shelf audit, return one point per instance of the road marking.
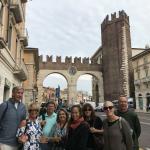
(145, 123)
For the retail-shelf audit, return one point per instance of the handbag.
(98, 141)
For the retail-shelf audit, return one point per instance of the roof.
(147, 51)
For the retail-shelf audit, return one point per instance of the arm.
(137, 126)
(127, 135)
(98, 124)
(3, 109)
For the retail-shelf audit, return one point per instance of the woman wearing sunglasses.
(117, 135)
(95, 124)
(29, 131)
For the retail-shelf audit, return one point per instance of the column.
(72, 92)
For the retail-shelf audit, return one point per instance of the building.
(13, 40)
(48, 94)
(141, 66)
(30, 85)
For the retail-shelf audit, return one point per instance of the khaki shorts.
(7, 147)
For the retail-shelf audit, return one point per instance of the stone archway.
(71, 72)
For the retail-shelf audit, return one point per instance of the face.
(88, 112)
(109, 109)
(50, 108)
(18, 95)
(62, 116)
(33, 113)
(75, 113)
(123, 103)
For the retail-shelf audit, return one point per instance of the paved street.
(145, 124)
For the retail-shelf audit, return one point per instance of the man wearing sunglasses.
(132, 118)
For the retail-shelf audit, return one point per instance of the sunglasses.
(109, 107)
(87, 110)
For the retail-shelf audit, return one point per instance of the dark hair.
(85, 106)
(66, 113)
(80, 113)
(51, 102)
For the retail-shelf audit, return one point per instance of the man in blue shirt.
(49, 122)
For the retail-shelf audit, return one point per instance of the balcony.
(2, 41)
(24, 36)
(21, 71)
(17, 9)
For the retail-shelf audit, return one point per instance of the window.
(9, 36)
(1, 12)
(145, 60)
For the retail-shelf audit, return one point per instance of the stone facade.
(71, 70)
(141, 66)
(116, 54)
(32, 64)
(13, 39)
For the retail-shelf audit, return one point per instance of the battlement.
(121, 16)
(68, 60)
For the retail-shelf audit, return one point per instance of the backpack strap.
(120, 123)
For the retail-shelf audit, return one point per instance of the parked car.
(99, 108)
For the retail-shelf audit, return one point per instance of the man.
(131, 118)
(48, 123)
(12, 112)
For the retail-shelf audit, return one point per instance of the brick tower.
(116, 51)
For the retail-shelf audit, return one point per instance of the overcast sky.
(72, 27)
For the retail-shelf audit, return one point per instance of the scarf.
(76, 123)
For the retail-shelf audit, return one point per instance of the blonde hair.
(107, 103)
(33, 105)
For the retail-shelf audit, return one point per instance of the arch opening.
(55, 87)
(88, 89)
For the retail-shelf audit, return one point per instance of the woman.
(29, 131)
(95, 124)
(78, 130)
(59, 130)
(117, 135)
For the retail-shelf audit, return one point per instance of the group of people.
(82, 129)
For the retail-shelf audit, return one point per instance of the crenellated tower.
(116, 50)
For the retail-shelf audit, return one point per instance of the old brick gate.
(71, 70)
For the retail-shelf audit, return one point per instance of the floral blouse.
(58, 131)
(33, 131)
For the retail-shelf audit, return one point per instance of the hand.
(23, 123)
(44, 139)
(23, 138)
(92, 130)
(43, 122)
(57, 139)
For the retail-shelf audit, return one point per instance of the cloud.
(72, 27)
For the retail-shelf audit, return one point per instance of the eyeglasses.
(87, 110)
(33, 110)
(109, 107)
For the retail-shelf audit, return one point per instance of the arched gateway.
(71, 71)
